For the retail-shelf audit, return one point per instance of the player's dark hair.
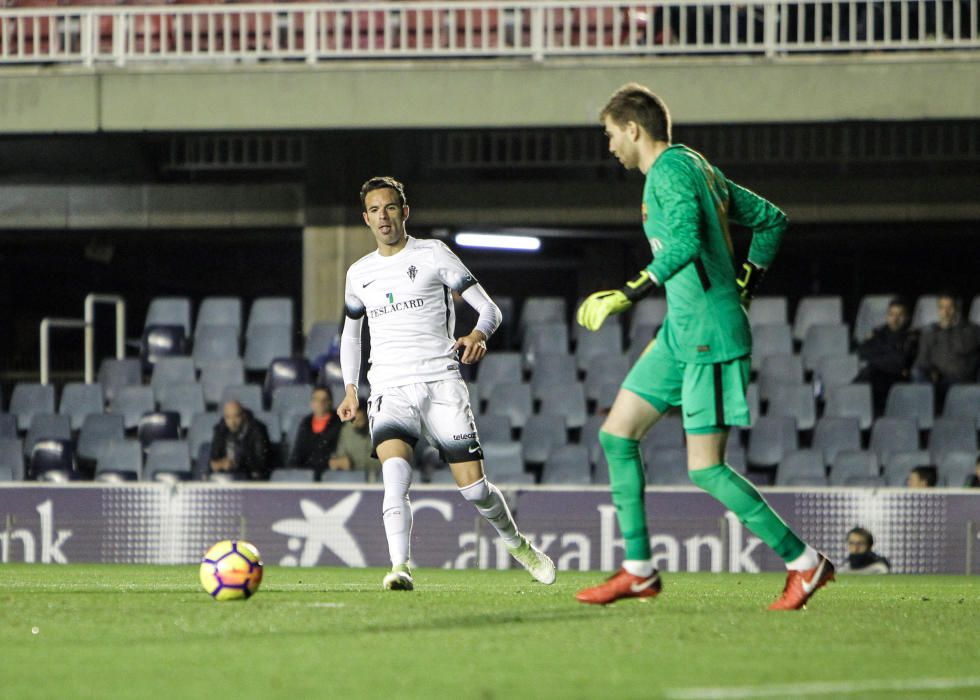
(866, 534)
(383, 183)
(636, 103)
(927, 474)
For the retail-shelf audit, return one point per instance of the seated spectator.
(889, 353)
(240, 444)
(860, 558)
(949, 350)
(354, 447)
(316, 438)
(973, 481)
(922, 478)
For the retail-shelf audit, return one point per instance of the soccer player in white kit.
(403, 289)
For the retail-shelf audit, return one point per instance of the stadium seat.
(542, 435)
(541, 310)
(160, 342)
(606, 396)
(801, 468)
(168, 460)
(169, 311)
(6, 473)
(29, 399)
(291, 399)
(753, 400)
(735, 457)
(298, 476)
(604, 369)
(99, 431)
(115, 374)
(956, 467)
(214, 344)
(220, 312)
(121, 457)
(926, 311)
(216, 377)
(823, 339)
(511, 400)
(498, 368)
(849, 464)
(872, 312)
(568, 464)
(286, 371)
(772, 437)
(248, 395)
(493, 430)
(893, 435)
(49, 456)
(502, 460)
(850, 400)
(833, 434)
(184, 399)
(649, 312)
(766, 310)
(779, 369)
(606, 342)
(161, 425)
(640, 337)
(512, 480)
(864, 482)
(79, 400)
(770, 339)
(47, 426)
(816, 310)
(952, 435)
(914, 401)
(323, 336)
(275, 311)
(796, 401)
(589, 436)
(12, 457)
(898, 465)
(974, 316)
(169, 371)
(666, 432)
(354, 476)
(666, 466)
(963, 401)
(835, 370)
(472, 389)
(266, 342)
(544, 339)
(275, 426)
(566, 400)
(8, 425)
(201, 430)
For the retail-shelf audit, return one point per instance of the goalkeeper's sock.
(742, 498)
(396, 508)
(491, 505)
(627, 481)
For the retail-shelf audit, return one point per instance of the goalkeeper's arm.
(600, 305)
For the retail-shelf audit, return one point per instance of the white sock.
(805, 561)
(491, 505)
(396, 509)
(639, 567)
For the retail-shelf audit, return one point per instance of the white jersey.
(406, 299)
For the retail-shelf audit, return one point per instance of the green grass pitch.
(117, 631)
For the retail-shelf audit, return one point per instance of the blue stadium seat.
(215, 378)
(511, 400)
(796, 401)
(974, 315)
(323, 336)
(666, 466)
(649, 312)
(952, 435)
(184, 399)
(172, 370)
(834, 434)
(568, 464)
(913, 401)
(498, 368)
(540, 310)
(53, 456)
(607, 341)
(542, 434)
(248, 395)
(815, 310)
(666, 432)
(926, 311)
(835, 370)
(772, 437)
(292, 399)
(270, 311)
(295, 476)
(898, 465)
(47, 426)
(29, 399)
(354, 476)
(872, 312)
(956, 467)
(169, 311)
(544, 339)
(604, 369)
(115, 374)
(963, 401)
(770, 339)
(161, 342)
(201, 430)
(493, 429)
(99, 431)
(768, 309)
(168, 460)
(8, 425)
(79, 400)
(893, 435)
(779, 369)
(823, 339)
(214, 344)
(551, 369)
(502, 459)
(161, 425)
(640, 337)
(12, 457)
(850, 400)
(566, 400)
(286, 371)
(131, 403)
(219, 311)
(266, 342)
(123, 457)
(801, 468)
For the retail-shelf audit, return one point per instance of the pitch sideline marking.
(827, 688)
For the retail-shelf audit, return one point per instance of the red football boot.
(800, 585)
(622, 584)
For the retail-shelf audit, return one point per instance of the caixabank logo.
(40, 542)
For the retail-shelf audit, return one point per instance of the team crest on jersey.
(412, 271)
(391, 298)
(643, 210)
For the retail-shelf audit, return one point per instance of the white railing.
(538, 30)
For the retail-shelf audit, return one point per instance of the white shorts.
(440, 411)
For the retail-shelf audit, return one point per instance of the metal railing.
(88, 325)
(537, 30)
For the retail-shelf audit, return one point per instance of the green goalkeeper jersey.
(687, 206)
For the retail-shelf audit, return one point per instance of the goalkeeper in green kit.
(700, 358)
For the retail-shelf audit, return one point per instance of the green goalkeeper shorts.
(711, 396)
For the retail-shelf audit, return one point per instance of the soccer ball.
(231, 570)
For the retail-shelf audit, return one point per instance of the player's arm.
(350, 352)
(458, 278)
(768, 224)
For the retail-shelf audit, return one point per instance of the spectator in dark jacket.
(317, 436)
(240, 444)
(889, 353)
(973, 481)
(860, 557)
(949, 351)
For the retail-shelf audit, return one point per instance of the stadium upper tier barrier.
(314, 32)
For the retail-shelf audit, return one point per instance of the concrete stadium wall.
(435, 94)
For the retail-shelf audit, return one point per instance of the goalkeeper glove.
(599, 305)
(747, 282)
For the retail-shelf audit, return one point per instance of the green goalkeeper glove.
(747, 282)
(600, 305)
